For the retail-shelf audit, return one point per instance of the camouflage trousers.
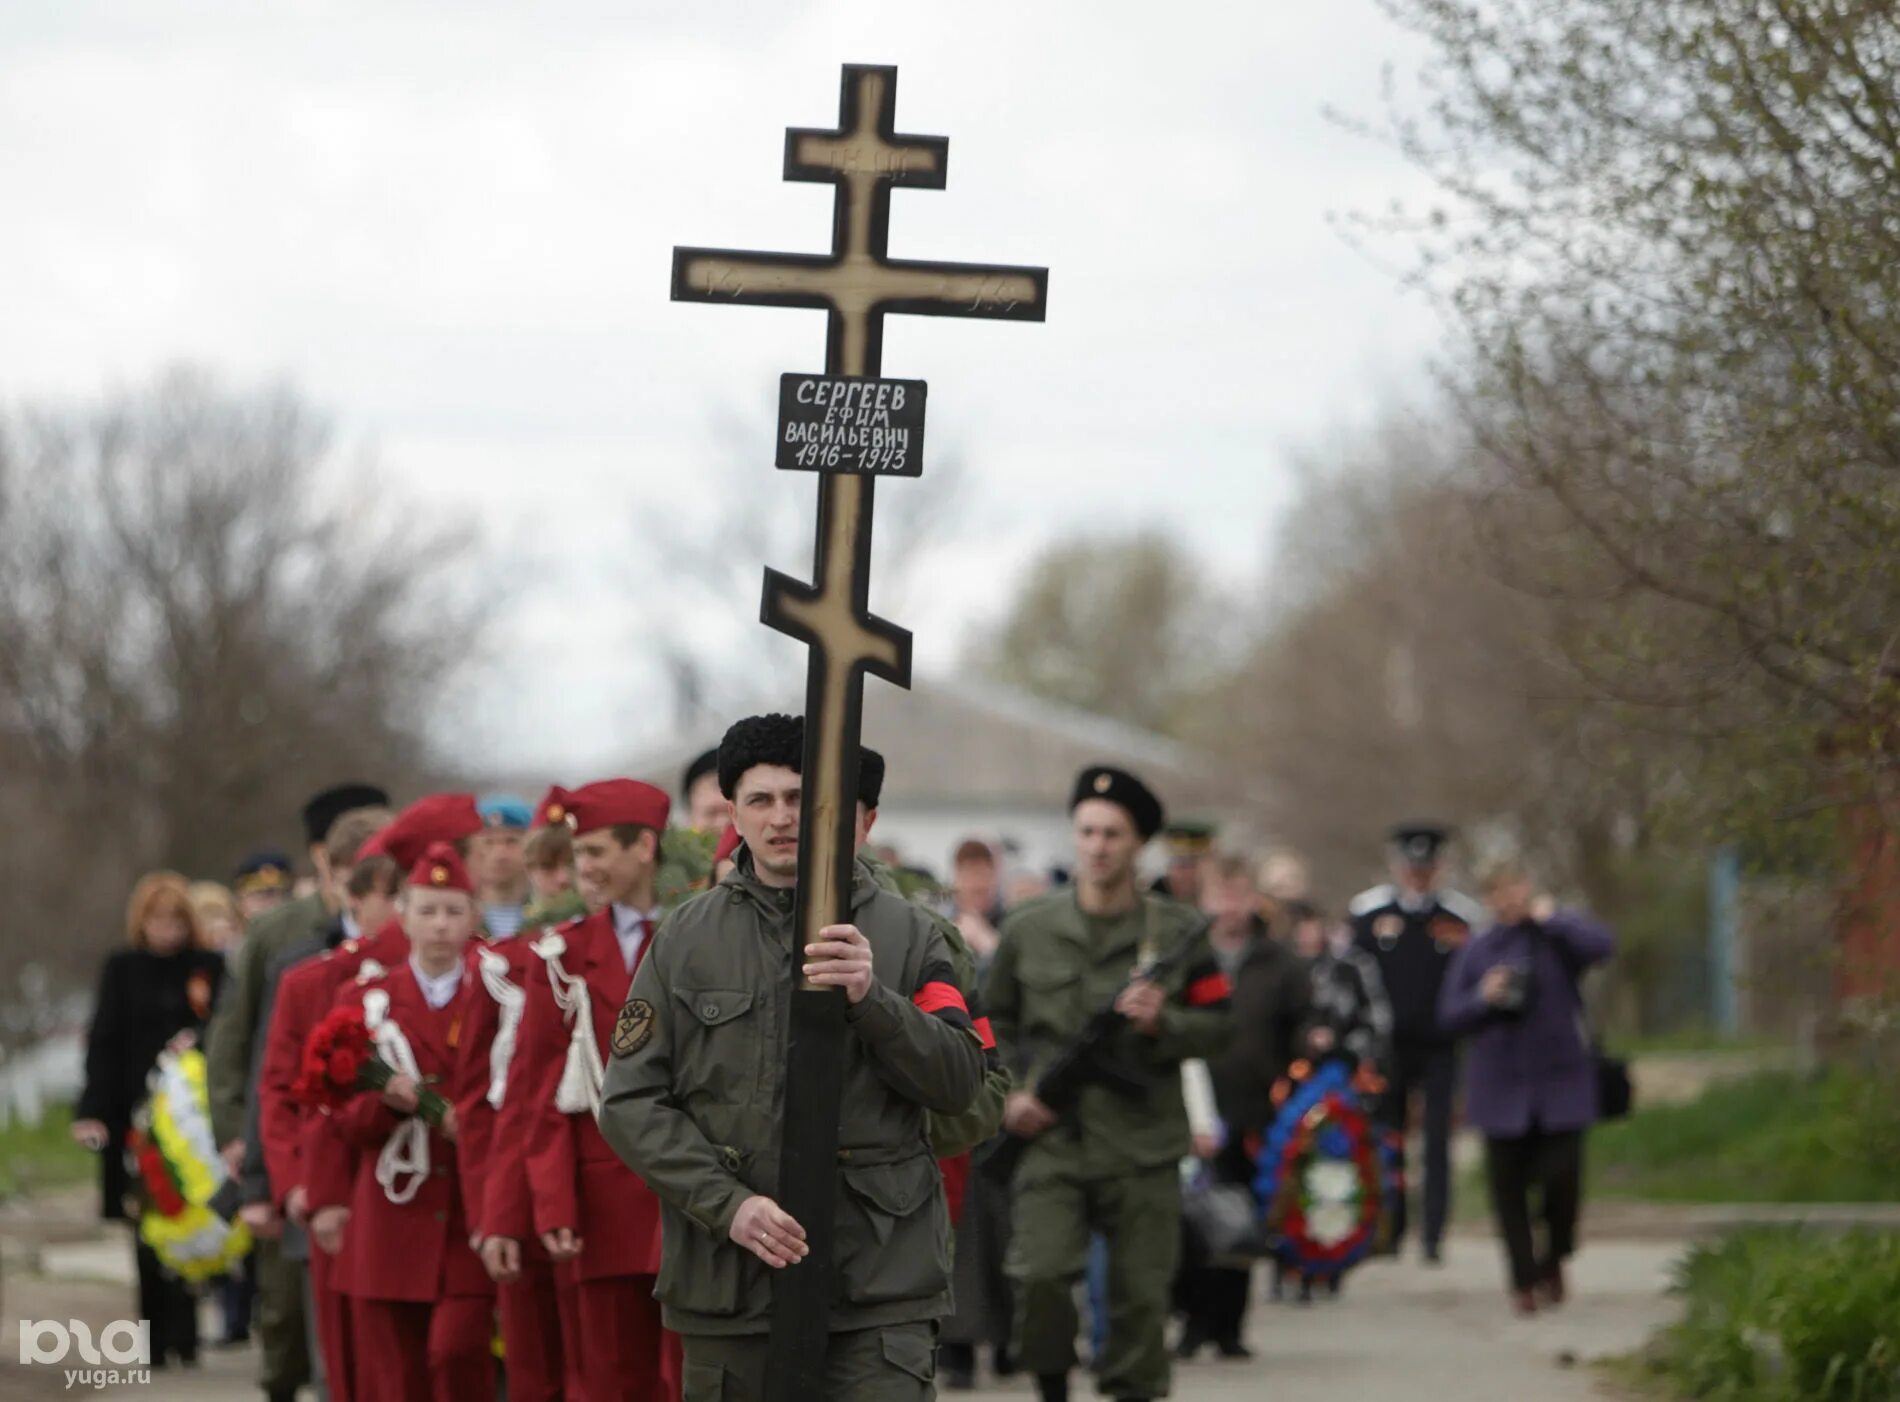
(1140, 1216)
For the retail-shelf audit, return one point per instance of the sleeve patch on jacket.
(633, 1029)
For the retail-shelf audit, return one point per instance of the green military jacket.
(951, 1135)
(234, 1029)
(694, 1097)
(1048, 978)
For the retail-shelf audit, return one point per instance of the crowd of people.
(563, 1180)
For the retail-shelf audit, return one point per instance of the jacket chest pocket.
(893, 1232)
(1052, 997)
(720, 1042)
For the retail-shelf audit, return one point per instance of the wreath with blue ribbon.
(1325, 1174)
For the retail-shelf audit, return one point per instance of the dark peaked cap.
(321, 812)
(1120, 787)
(1419, 843)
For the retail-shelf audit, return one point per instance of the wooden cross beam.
(857, 284)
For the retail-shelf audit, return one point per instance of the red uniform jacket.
(417, 1250)
(303, 996)
(493, 1168)
(305, 993)
(324, 1159)
(574, 1179)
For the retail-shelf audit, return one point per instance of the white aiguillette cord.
(406, 1151)
(511, 1000)
(581, 1077)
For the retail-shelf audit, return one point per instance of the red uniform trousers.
(540, 1331)
(304, 993)
(424, 1350)
(575, 1181)
(629, 1357)
(331, 1309)
(422, 1309)
(540, 1323)
(567, 1302)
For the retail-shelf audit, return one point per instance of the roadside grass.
(1779, 1315)
(1774, 1137)
(1695, 1039)
(1770, 1137)
(43, 1156)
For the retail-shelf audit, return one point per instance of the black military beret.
(780, 739)
(1419, 843)
(1120, 787)
(707, 763)
(321, 812)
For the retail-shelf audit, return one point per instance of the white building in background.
(973, 759)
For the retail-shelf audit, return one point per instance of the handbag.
(1224, 1222)
(1615, 1094)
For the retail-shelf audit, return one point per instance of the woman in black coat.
(164, 984)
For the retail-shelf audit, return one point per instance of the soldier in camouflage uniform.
(1112, 1165)
(694, 1097)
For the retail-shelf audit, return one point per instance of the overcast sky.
(450, 226)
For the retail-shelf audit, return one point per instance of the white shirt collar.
(629, 931)
(1417, 902)
(351, 930)
(439, 991)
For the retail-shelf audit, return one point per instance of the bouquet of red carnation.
(340, 1060)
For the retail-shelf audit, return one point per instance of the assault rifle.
(1087, 1060)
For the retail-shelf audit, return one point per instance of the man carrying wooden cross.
(695, 1087)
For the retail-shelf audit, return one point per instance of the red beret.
(609, 803)
(439, 868)
(438, 817)
(551, 809)
(728, 844)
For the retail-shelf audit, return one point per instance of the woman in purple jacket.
(1530, 1077)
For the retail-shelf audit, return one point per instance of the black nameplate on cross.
(857, 284)
(850, 423)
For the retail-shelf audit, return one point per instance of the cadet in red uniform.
(317, 1163)
(303, 994)
(538, 1312)
(421, 1305)
(587, 1206)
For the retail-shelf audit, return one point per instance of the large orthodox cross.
(856, 285)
